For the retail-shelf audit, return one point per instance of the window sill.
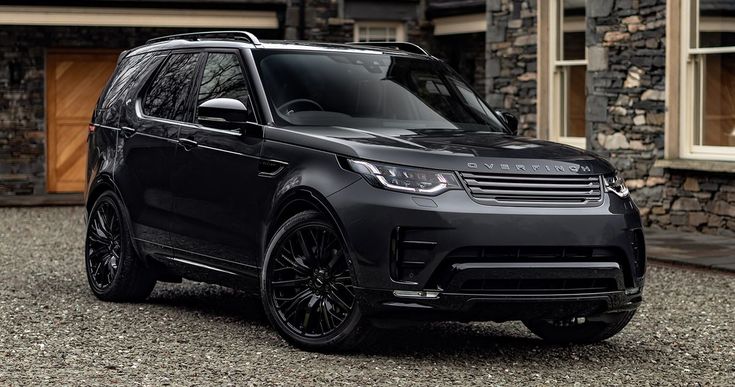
(697, 165)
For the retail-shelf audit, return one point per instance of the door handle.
(127, 131)
(187, 144)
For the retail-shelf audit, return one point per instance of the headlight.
(616, 184)
(405, 179)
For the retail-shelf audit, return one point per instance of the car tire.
(591, 331)
(302, 278)
(114, 271)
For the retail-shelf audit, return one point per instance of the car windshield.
(369, 91)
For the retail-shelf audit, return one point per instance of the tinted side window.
(223, 78)
(167, 95)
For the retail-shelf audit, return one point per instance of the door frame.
(50, 108)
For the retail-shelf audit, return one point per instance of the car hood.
(459, 150)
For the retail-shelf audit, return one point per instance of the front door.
(74, 81)
(214, 179)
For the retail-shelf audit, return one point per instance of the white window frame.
(557, 107)
(691, 113)
(399, 26)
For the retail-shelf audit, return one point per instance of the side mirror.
(510, 121)
(223, 113)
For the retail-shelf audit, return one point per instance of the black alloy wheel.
(104, 241)
(114, 270)
(311, 286)
(308, 287)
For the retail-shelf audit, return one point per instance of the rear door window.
(168, 95)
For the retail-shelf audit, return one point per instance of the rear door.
(215, 178)
(147, 143)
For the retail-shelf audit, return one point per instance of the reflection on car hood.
(448, 149)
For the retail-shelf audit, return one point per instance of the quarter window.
(168, 94)
(223, 78)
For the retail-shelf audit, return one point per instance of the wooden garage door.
(74, 81)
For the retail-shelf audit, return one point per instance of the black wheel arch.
(297, 200)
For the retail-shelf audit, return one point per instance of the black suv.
(354, 186)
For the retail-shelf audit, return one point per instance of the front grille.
(534, 190)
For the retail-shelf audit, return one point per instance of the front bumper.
(592, 259)
(383, 304)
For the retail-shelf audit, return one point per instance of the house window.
(569, 69)
(379, 32)
(708, 80)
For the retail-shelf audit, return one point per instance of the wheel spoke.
(336, 255)
(304, 248)
(102, 224)
(332, 295)
(290, 306)
(345, 287)
(313, 301)
(95, 237)
(295, 264)
(326, 316)
(289, 283)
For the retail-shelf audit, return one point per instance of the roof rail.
(403, 46)
(223, 35)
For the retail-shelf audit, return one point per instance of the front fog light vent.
(409, 253)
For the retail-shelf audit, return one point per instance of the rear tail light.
(91, 128)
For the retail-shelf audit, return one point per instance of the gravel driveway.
(53, 331)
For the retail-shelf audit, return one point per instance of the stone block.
(493, 67)
(679, 218)
(709, 186)
(496, 32)
(697, 219)
(686, 204)
(596, 108)
(525, 40)
(691, 184)
(721, 207)
(599, 8)
(612, 37)
(597, 58)
(714, 220)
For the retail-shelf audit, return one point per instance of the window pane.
(223, 78)
(576, 101)
(167, 96)
(716, 23)
(573, 26)
(718, 102)
(377, 34)
(572, 100)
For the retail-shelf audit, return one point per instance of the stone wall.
(511, 60)
(625, 119)
(625, 88)
(695, 201)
